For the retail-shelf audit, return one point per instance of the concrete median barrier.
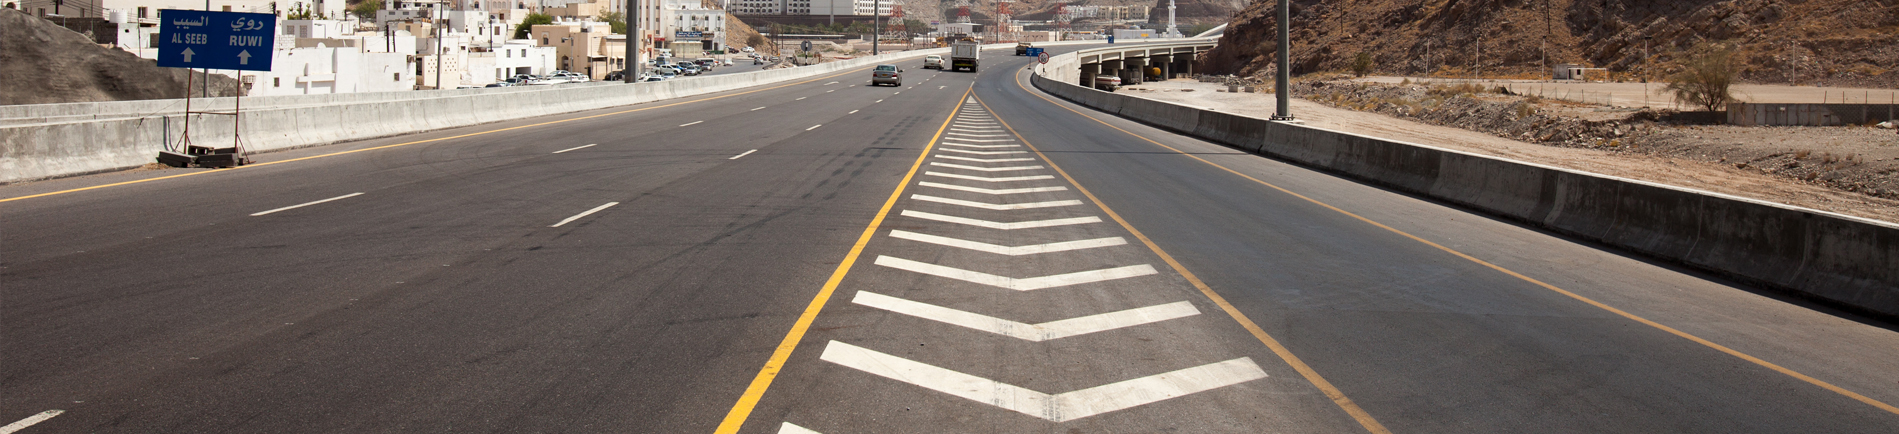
(1841, 260)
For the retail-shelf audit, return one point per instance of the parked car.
(747, 49)
(1022, 48)
(521, 79)
(932, 62)
(890, 74)
(708, 64)
(1107, 82)
(575, 77)
(500, 84)
(727, 62)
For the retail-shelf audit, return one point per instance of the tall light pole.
(632, 71)
(1282, 86)
(876, 14)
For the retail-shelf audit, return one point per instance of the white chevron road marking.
(988, 179)
(984, 160)
(1024, 284)
(1047, 331)
(985, 169)
(999, 225)
(788, 428)
(981, 140)
(1007, 250)
(990, 190)
(996, 207)
(1058, 408)
(976, 135)
(947, 143)
(966, 151)
(977, 130)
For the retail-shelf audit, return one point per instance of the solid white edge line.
(346, 196)
(1047, 331)
(688, 124)
(576, 148)
(29, 421)
(584, 214)
(813, 127)
(735, 157)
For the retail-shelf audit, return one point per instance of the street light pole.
(1284, 77)
(631, 73)
(876, 13)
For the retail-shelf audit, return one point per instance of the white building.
(807, 7)
(323, 69)
(333, 9)
(507, 59)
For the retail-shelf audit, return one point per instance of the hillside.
(1829, 42)
(46, 64)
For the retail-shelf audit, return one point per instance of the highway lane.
(388, 309)
(995, 293)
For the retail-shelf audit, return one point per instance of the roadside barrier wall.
(1753, 114)
(1844, 260)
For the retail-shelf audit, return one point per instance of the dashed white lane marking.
(996, 207)
(757, 109)
(788, 428)
(898, 93)
(966, 151)
(1007, 250)
(831, 83)
(801, 98)
(1057, 408)
(992, 191)
(1023, 284)
(576, 148)
(829, 91)
(940, 87)
(877, 101)
(986, 169)
(852, 111)
(984, 160)
(1029, 332)
(29, 421)
(813, 127)
(1000, 225)
(584, 214)
(735, 157)
(346, 196)
(966, 145)
(989, 179)
(688, 124)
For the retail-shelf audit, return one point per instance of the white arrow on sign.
(243, 57)
(188, 54)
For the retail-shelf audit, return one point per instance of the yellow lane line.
(76, 190)
(735, 419)
(1337, 396)
(1671, 330)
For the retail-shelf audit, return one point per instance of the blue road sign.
(216, 40)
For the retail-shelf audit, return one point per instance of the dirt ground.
(1774, 164)
(1650, 95)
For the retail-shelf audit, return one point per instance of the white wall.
(310, 71)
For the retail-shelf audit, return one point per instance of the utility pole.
(1282, 87)
(632, 71)
(876, 12)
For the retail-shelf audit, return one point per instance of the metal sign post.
(214, 40)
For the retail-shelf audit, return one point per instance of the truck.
(963, 54)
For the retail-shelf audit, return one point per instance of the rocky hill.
(1827, 42)
(45, 64)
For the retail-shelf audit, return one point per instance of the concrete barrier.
(53, 140)
(1842, 260)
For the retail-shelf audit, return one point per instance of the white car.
(747, 49)
(932, 61)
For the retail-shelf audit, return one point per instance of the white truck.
(963, 54)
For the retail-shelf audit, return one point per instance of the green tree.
(528, 23)
(915, 26)
(367, 9)
(1362, 64)
(1705, 77)
(615, 19)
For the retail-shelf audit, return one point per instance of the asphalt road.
(959, 254)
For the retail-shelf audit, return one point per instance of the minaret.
(1172, 30)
